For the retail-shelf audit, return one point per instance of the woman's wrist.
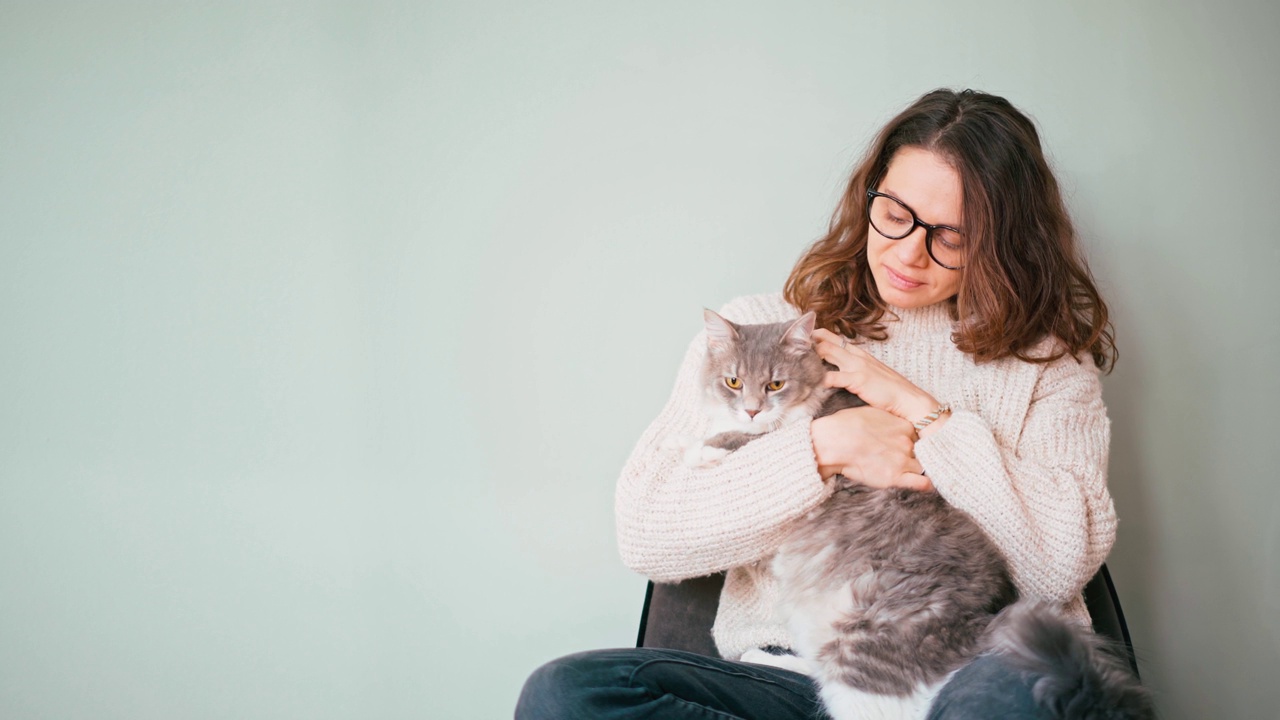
(929, 417)
(920, 407)
(934, 425)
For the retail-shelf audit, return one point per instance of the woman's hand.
(873, 381)
(870, 447)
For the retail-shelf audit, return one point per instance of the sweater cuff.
(778, 471)
(964, 463)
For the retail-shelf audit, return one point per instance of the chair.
(679, 616)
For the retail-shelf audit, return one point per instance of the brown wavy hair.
(1024, 279)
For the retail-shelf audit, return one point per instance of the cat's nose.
(752, 413)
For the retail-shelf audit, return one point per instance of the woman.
(957, 302)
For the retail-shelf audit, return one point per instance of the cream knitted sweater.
(1024, 453)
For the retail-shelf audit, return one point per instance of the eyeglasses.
(893, 219)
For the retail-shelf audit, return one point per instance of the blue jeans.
(630, 684)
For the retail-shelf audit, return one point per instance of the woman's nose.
(912, 249)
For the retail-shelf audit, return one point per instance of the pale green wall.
(327, 326)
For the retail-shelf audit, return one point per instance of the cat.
(886, 592)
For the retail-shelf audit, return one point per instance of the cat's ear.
(798, 337)
(720, 332)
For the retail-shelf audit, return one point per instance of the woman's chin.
(905, 299)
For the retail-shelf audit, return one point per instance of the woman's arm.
(676, 522)
(1043, 501)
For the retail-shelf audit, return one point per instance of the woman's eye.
(950, 239)
(897, 220)
(733, 383)
(776, 385)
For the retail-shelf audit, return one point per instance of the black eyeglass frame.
(915, 223)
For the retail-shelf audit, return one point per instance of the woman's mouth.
(900, 281)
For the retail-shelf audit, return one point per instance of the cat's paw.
(794, 663)
(682, 443)
(701, 456)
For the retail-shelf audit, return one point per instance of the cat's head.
(757, 377)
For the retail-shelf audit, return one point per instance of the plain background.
(325, 328)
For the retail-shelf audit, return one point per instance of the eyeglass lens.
(894, 220)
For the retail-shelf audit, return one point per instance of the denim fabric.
(630, 684)
(653, 683)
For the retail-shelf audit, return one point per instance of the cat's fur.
(887, 592)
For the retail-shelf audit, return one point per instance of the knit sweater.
(1024, 453)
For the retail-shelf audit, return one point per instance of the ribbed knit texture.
(1024, 453)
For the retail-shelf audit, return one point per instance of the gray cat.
(887, 592)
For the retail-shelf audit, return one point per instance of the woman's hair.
(1024, 278)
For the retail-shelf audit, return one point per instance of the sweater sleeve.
(1043, 498)
(676, 522)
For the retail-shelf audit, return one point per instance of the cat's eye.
(776, 385)
(733, 383)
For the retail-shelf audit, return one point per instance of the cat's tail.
(1075, 674)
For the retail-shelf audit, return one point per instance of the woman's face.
(904, 273)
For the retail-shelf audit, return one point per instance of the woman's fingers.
(893, 466)
(915, 481)
(822, 335)
(828, 351)
(836, 345)
(848, 358)
(848, 380)
(827, 471)
(868, 446)
(865, 376)
(839, 342)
